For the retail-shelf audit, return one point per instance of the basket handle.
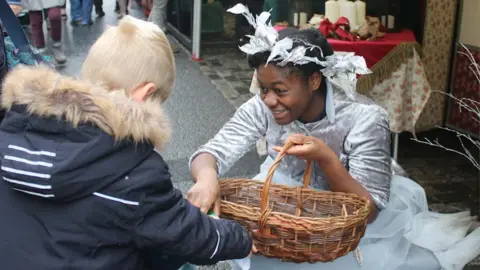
(268, 182)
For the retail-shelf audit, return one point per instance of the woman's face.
(286, 94)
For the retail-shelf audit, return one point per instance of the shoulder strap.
(12, 25)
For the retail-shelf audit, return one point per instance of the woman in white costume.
(308, 96)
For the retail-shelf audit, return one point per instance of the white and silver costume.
(405, 235)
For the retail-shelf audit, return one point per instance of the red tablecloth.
(372, 51)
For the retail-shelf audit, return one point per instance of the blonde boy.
(131, 54)
(82, 186)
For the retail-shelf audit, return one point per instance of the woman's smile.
(279, 114)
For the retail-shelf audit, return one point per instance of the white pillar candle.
(303, 19)
(348, 10)
(391, 22)
(332, 10)
(383, 21)
(361, 8)
(295, 19)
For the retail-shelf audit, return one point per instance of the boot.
(100, 13)
(41, 50)
(64, 13)
(58, 53)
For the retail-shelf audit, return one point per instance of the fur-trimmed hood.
(48, 94)
(64, 139)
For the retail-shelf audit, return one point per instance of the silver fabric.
(360, 137)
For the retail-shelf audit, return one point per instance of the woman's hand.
(206, 192)
(309, 148)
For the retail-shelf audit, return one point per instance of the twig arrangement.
(468, 105)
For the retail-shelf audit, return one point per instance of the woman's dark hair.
(300, 37)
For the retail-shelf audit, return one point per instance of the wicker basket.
(295, 223)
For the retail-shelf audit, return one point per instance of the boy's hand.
(254, 250)
(206, 192)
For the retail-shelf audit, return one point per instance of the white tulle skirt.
(405, 235)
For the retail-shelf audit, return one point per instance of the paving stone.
(214, 62)
(225, 73)
(219, 266)
(219, 81)
(206, 69)
(242, 89)
(230, 64)
(214, 77)
(231, 78)
(228, 91)
(243, 64)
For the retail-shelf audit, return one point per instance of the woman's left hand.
(308, 148)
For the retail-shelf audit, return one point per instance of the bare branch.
(465, 154)
(465, 103)
(468, 105)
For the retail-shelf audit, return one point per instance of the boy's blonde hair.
(132, 53)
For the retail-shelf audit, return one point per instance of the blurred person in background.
(158, 15)
(64, 10)
(99, 7)
(81, 12)
(53, 11)
(122, 8)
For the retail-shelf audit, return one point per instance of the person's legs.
(158, 13)
(55, 19)
(122, 4)
(99, 7)
(36, 23)
(64, 10)
(75, 11)
(87, 6)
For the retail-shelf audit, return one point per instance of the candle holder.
(389, 13)
(300, 12)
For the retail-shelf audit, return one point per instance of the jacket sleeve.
(237, 136)
(166, 221)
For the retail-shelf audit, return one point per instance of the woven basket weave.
(295, 223)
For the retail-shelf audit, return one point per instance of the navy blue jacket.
(82, 187)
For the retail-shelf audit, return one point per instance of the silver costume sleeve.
(368, 149)
(237, 136)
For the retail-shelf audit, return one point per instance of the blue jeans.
(81, 10)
